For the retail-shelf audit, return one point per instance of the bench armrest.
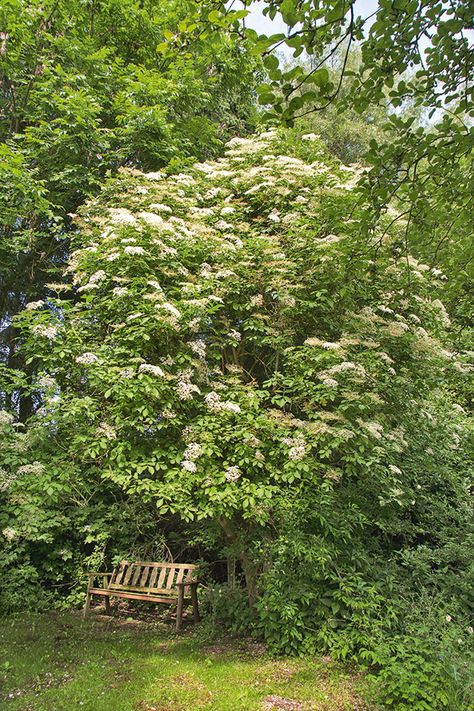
(105, 579)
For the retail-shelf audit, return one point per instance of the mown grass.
(57, 662)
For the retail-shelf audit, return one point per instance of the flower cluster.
(86, 359)
(9, 533)
(193, 451)
(215, 404)
(49, 332)
(198, 347)
(151, 369)
(297, 447)
(106, 430)
(232, 473)
(35, 468)
(134, 250)
(185, 390)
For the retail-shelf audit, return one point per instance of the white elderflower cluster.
(297, 447)
(215, 404)
(393, 469)
(5, 418)
(329, 382)
(189, 465)
(154, 284)
(384, 309)
(375, 429)
(345, 367)
(35, 468)
(224, 273)
(251, 440)
(86, 358)
(121, 216)
(46, 382)
(119, 291)
(198, 347)
(106, 430)
(134, 250)
(151, 219)
(151, 369)
(113, 256)
(232, 474)
(127, 373)
(9, 533)
(87, 287)
(49, 332)
(185, 390)
(195, 324)
(398, 329)
(170, 308)
(193, 451)
(256, 300)
(235, 335)
(34, 305)
(97, 277)
(159, 207)
(329, 346)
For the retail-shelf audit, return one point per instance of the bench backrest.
(144, 577)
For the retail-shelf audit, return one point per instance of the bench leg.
(194, 599)
(179, 608)
(107, 605)
(87, 606)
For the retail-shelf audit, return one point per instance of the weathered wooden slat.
(170, 580)
(119, 573)
(190, 573)
(128, 574)
(164, 565)
(144, 576)
(153, 577)
(138, 596)
(136, 574)
(161, 579)
(181, 572)
(137, 588)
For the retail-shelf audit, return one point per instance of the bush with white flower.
(234, 355)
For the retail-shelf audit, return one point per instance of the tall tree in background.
(83, 90)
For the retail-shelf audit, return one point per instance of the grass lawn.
(56, 662)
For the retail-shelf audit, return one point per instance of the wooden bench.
(152, 582)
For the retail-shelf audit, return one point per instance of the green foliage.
(83, 92)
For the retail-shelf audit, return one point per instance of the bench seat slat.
(138, 596)
(133, 588)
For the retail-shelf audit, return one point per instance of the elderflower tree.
(232, 346)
